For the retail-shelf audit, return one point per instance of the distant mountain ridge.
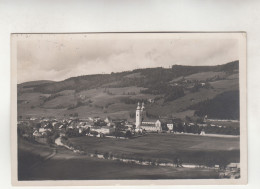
(35, 83)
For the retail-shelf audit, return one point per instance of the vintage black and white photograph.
(129, 106)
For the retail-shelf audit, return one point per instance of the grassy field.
(225, 123)
(84, 168)
(30, 154)
(66, 165)
(190, 148)
(205, 75)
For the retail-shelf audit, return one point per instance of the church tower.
(143, 112)
(138, 116)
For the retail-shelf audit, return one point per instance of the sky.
(58, 57)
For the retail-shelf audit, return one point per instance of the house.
(63, 132)
(33, 118)
(45, 120)
(170, 126)
(107, 120)
(110, 124)
(20, 122)
(80, 130)
(25, 135)
(103, 130)
(151, 100)
(88, 124)
(202, 124)
(233, 166)
(202, 132)
(37, 133)
(129, 126)
(54, 123)
(96, 119)
(72, 124)
(42, 130)
(80, 125)
(119, 121)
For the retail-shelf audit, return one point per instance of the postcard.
(129, 108)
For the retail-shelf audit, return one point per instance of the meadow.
(85, 168)
(30, 154)
(66, 165)
(165, 147)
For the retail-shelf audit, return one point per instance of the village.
(42, 128)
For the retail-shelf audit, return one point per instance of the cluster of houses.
(101, 127)
(43, 127)
(232, 171)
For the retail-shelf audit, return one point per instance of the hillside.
(166, 91)
(226, 104)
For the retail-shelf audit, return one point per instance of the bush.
(106, 155)
(128, 134)
(73, 133)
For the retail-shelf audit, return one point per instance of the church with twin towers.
(143, 124)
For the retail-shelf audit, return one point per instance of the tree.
(195, 88)
(153, 163)
(106, 155)
(223, 163)
(111, 156)
(179, 127)
(187, 118)
(132, 114)
(96, 153)
(72, 132)
(128, 134)
(177, 161)
(88, 130)
(164, 126)
(95, 133)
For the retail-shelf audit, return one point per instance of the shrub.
(106, 155)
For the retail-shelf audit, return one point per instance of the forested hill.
(176, 91)
(140, 77)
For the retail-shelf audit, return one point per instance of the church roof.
(148, 125)
(151, 120)
(138, 106)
